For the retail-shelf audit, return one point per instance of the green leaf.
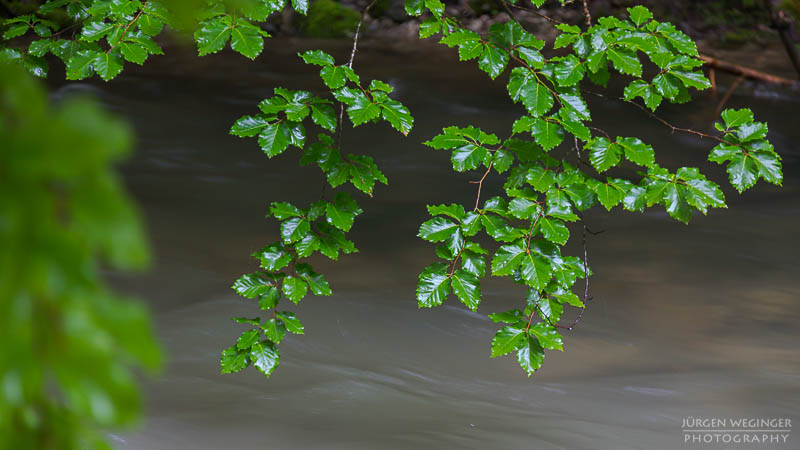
(455, 211)
(291, 322)
(467, 288)
(493, 61)
(467, 157)
(212, 35)
(634, 200)
(273, 257)
(510, 316)
(249, 126)
(603, 154)
(94, 31)
(294, 288)
(275, 330)
(473, 263)
(637, 151)
(397, 115)
(275, 138)
(508, 258)
(612, 192)
(541, 178)
(108, 65)
(265, 357)
(152, 26)
(692, 79)
(625, 61)
(80, 65)
(247, 339)
(294, 229)
(437, 229)
(554, 230)
(268, 300)
(334, 76)
(133, 52)
(548, 336)
(317, 57)
(530, 355)
(284, 210)
(324, 116)
(547, 133)
(569, 71)
(252, 285)
(363, 110)
(639, 15)
(317, 282)
(736, 117)
(342, 212)
(523, 208)
(433, 286)
(506, 340)
(523, 86)
(246, 39)
(233, 360)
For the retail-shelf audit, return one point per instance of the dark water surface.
(697, 321)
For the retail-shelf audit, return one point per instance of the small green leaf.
(233, 360)
(639, 15)
(247, 339)
(510, 316)
(317, 57)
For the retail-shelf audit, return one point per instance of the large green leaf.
(212, 35)
(433, 286)
(637, 151)
(294, 288)
(530, 355)
(246, 39)
(265, 357)
(437, 229)
(317, 282)
(467, 288)
(508, 258)
(506, 340)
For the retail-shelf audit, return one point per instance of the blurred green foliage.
(67, 342)
(327, 18)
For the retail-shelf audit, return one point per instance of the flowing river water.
(685, 322)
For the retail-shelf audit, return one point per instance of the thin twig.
(549, 19)
(662, 121)
(480, 185)
(727, 96)
(587, 14)
(127, 27)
